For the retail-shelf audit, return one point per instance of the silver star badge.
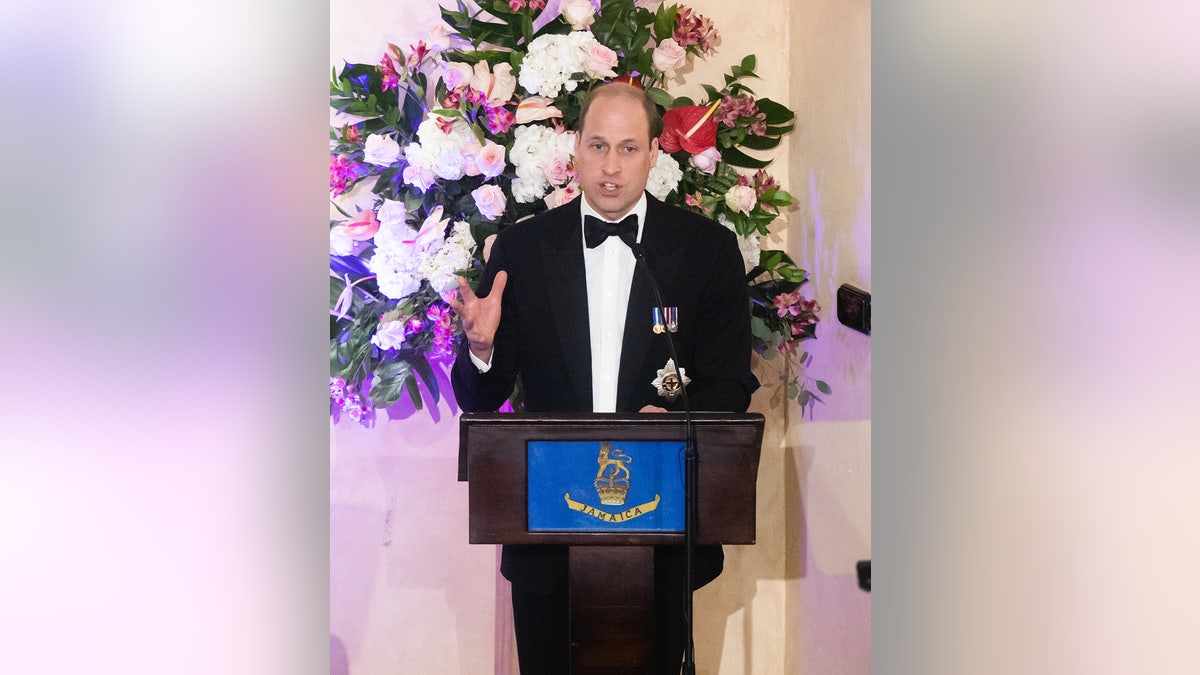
(671, 381)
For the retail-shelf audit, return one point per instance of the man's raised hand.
(480, 316)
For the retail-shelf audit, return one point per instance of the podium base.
(612, 610)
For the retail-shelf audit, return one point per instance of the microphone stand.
(690, 476)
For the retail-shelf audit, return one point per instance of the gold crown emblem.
(612, 478)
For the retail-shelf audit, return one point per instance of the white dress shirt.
(608, 270)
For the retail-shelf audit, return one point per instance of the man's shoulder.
(699, 227)
(539, 227)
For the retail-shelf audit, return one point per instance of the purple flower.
(354, 408)
(341, 172)
(337, 390)
(499, 119)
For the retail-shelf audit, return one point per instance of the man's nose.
(611, 163)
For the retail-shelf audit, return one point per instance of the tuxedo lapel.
(565, 277)
(663, 249)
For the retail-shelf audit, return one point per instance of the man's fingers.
(498, 284)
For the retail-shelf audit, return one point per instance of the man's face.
(614, 154)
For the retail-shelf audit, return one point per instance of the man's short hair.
(628, 92)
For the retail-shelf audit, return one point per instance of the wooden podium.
(611, 623)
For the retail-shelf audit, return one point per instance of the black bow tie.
(595, 230)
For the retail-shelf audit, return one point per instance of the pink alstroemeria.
(693, 28)
(417, 53)
(500, 119)
(387, 65)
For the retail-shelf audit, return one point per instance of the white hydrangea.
(400, 263)
(749, 246)
(664, 176)
(552, 60)
(533, 147)
(439, 151)
(396, 269)
(441, 268)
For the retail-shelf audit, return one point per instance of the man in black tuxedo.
(564, 307)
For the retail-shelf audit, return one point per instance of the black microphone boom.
(690, 475)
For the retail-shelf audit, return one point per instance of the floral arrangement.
(437, 147)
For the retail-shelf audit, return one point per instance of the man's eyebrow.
(600, 137)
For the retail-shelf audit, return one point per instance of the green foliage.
(497, 34)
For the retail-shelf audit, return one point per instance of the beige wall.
(789, 604)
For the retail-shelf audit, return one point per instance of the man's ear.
(654, 151)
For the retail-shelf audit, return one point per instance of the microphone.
(690, 471)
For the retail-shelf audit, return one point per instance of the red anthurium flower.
(690, 127)
(629, 79)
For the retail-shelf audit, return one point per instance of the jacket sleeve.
(727, 381)
(486, 392)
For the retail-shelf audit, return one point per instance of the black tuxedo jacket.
(544, 333)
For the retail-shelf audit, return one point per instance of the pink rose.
(599, 61)
(536, 108)
(562, 195)
(420, 177)
(669, 56)
(706, 161)
(555, 170)
(741, 198)
(491, 159)
(490, 201)
(579, 13)
(470, 163)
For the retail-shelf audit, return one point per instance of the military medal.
(671, 321)
(672, 318)
(671, 381)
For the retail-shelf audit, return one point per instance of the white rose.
(741, 198)
(380, 150)
(706, 161)
(340, 242)
(392, 215)
(579, 13)
(389, 335)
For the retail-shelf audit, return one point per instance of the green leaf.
(738, 158)
(776, 113)
(414, 395)
(664, 21)
(823, 387)
(425, 370)
(760, 142)
(659, 96)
